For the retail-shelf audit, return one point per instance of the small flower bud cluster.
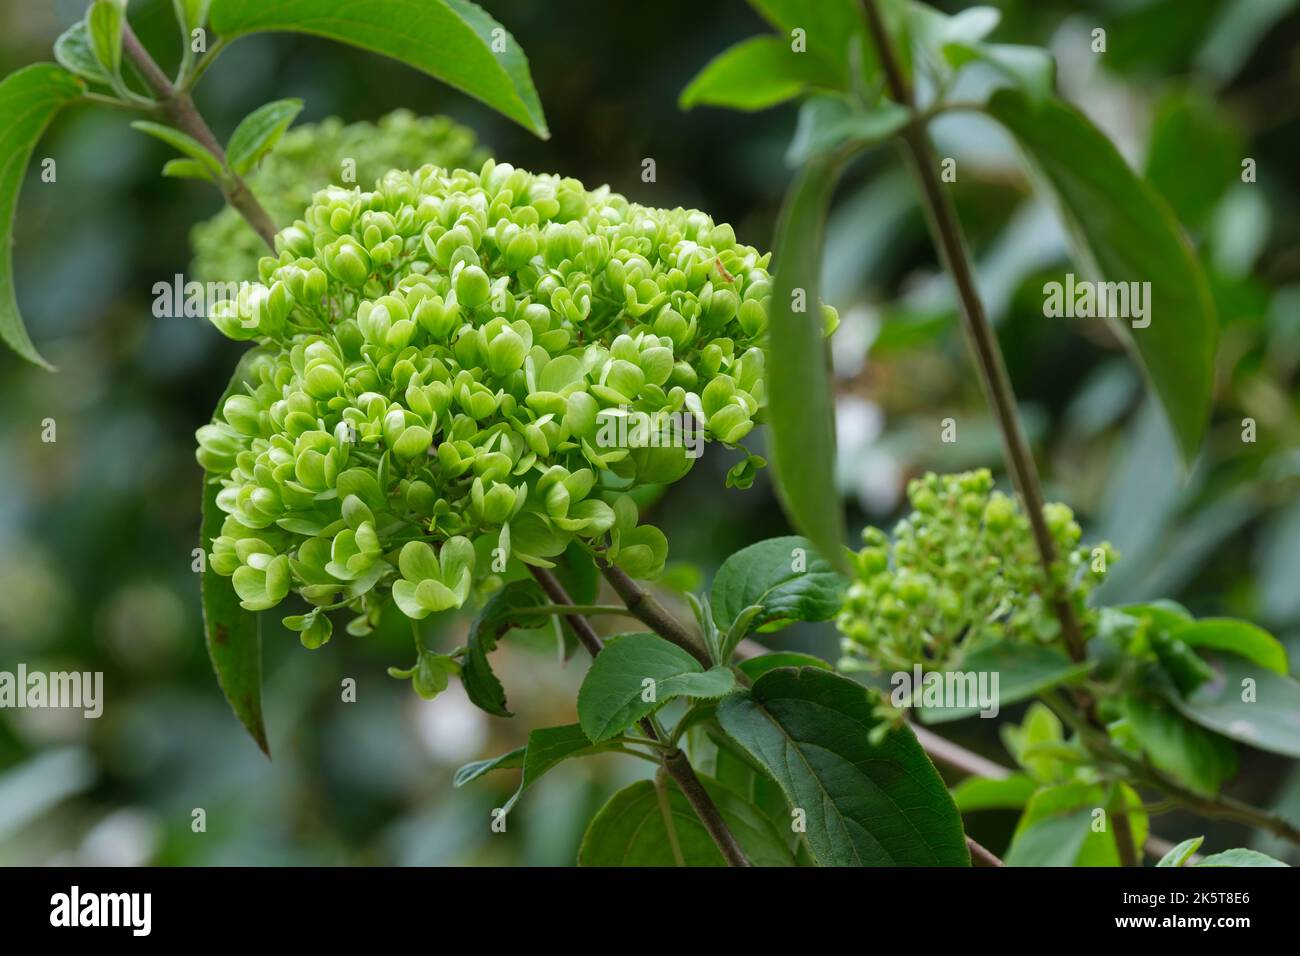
(963, 566)
(310, 157)
(440, 363)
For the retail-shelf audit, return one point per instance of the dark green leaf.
(258, 132)
(1247, 703)
(642, 825)
(1024, 671)
(1200, 758)
(455, 41)
(755, 74)
(865, 804)
(233, 634)
(756, 667)
(497, 617)
(635, 675)
(1123, 232)
(800, 400)
(785, 577)
(831, 28)
(29, 98)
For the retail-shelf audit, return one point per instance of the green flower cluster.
(443, 368)
(962, 567)
(310, 157)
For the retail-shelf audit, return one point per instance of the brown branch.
(650, 612)
(674, 761)
(980, 856)
(177, 107)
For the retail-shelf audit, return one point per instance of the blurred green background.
(97, 528)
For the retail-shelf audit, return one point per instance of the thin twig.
(673, 760)
(177, 106)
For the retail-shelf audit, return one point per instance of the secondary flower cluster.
(442, 361)
(314, 155)
(962, 566)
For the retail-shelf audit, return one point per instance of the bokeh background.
(97, 528)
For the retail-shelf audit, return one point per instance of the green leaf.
(1024, 671)
(454, 41)
(477, 768)
(949, 43)
(1123, 231)
(183, 143)
(104, 22)
(186, 169)
(1239, 857)
(800, 399)
(1057, 828)
(72, 50)
(866, 804)
(1200, 758)
(1236, 637)
(829, 123)
(830, 29)
(233, 634)
(755, 74)
(983, 793)
(499, 614)
(191, 14)
(635, 675)
(1268, 717)
(756, 667)
(642, 825)
(545, 749)
(1179, 855)
(784, 577)
(258, 132)
(29, 98)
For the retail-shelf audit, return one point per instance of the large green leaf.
(1247, 703)
(1023, 671)
(1200, 758)
(756, 667)
(865, 804)
(984, 793)
(755, 74)
(1060, 828)
(455, 41)
(1236, 637)
(834, 30)
(29, 99)
(801, 405)
(233, 634)
(643, 825)
(635, 675)
(1123, 231)
(784, 577)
